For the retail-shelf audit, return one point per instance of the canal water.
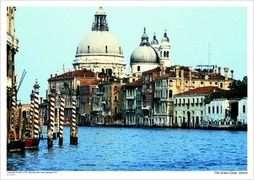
(138, 149)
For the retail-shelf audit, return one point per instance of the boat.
(31, 142)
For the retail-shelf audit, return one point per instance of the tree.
(238, 89)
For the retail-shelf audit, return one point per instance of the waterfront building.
(85, 93)
(190, 107)
(131, 106)
(100, 50)
(163, 102)
(242, 111)
(222, 113)
(12, 47)
(67, 85)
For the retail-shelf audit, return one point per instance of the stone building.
(190, 107)
(12, 47)
(100, 50)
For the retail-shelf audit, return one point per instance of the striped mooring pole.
(51, 120)
(36, 126)
(61, 123)
(31, 114)
(74, 128)
(13, 122)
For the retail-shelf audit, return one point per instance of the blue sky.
(49, 37)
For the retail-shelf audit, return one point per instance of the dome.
(99, 42)
(165, 38)
(154, 41)
(144, 54)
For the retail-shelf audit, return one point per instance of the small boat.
(16, 146)
(31, 142)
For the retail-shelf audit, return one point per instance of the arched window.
(106, 49)
(167, 54)
(88, 49)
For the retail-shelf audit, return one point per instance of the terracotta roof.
(77, 73)
(170, 72)
(87, 82)
(135, 83)
(202, 90)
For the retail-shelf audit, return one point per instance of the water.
(138, 149)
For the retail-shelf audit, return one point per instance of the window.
(217, 109)
(106, 49)
(170, 94)
(244, 109)
(88, 49)
(213, 109)
(138, 68)
(221, 85)
(209, 109)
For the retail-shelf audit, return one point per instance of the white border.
(129, 175)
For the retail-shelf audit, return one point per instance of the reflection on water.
(107, 149)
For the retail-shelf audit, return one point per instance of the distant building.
(150, 55)
(99, 50)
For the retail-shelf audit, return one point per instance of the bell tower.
(165, 50)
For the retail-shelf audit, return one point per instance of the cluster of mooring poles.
(58, 118)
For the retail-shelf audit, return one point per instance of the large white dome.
(99, 42)
(99, 50)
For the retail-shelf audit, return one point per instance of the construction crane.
(21, 79)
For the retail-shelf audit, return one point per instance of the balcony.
(130, 97)
(146, 107)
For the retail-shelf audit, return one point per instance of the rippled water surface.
(110, 149)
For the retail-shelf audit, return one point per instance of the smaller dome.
(165, 37)
(100, 11)
(154, 41)
(144, 54)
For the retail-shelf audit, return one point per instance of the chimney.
(232, 74)
(162, 68)
(190, 73)
(219, 70)
(177, 70)
(130, 79)
(226, 73)
(182, 73)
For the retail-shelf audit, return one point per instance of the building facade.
(12, 47)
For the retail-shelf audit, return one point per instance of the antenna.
(209, 52)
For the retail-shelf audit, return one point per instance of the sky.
(48, 36)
